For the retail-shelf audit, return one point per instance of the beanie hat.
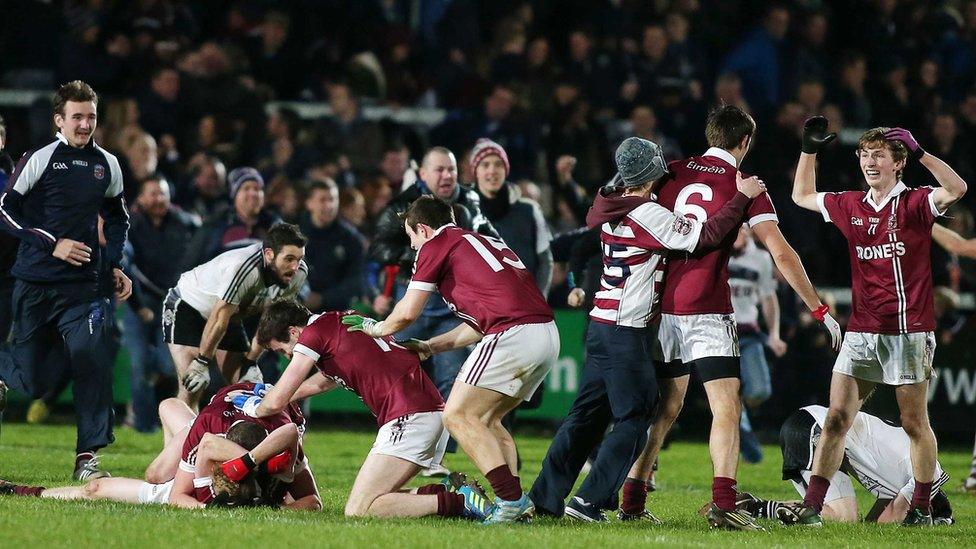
(241, 175)
(485, 147)
(639, 161)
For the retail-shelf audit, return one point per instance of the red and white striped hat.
(485, 147)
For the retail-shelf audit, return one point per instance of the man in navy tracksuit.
(52, 202)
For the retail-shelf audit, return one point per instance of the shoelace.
(89, 468)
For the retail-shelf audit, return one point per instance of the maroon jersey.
(698, 283)
(385, 375)
(219, 416)
(480, 279)
(889, 243)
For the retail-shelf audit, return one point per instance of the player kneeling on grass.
(488, 287)
(876, 455)
(389, 380)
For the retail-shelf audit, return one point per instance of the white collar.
(442, 227)
(899, 188)
(722, 154)
(312, 319)
(62, 138)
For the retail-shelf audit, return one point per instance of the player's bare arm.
(406, 311)
(953, 242)
(815, 137)
(197, 376)
(182, 494)
(461, 336)
(315, 385)
(788, 263)
(278, 397)
(951, 186)
(770, 312)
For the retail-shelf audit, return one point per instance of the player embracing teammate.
(890, 338)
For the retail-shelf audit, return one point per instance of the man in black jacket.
(391, 249)
(51, 203)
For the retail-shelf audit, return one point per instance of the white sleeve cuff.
(423, 286)
(823, 209)
(757, 219)
(935, 209)
(187, 467)
(202, 482)
(301, 349)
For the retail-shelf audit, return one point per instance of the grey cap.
(639, 161)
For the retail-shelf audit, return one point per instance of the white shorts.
(513, 362)
(418, 438)
(690, 337)
(892, 359)
(840, 486)
(155, 494)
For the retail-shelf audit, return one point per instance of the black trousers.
(57, 328)
(6, 296)
(619, 386)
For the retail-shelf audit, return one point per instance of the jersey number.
(682, 206)
(489, 258)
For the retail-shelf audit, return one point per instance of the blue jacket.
(58, 191)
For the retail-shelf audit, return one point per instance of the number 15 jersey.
(480, 279)
(698, 283)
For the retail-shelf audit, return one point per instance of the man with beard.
(202, 315)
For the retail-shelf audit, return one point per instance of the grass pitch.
(42, 455)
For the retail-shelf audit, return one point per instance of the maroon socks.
(449, 504)
(922, 497)
(431, 489)
(635, 496)
(505, 485)
(723, 493)
(816, 492)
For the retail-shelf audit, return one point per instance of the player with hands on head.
(890, 338)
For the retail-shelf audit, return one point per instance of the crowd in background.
(202, 103)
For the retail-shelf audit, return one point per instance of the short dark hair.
(284, 234)
(76, 90)
(430, 211)
(327, 184)
(278, 317)
(246, 434)
(727, 126)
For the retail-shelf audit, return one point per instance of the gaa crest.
(682, 225)
(99, 171)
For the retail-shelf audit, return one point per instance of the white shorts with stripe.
(418, 438)
(155, 494)
(513, 362)
(892, 359)
(690, 337)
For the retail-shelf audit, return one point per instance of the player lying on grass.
(876, 455)
(203, 446)
(389, 380)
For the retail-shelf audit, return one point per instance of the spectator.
(158, 235)
(810, 95)
(244, 224)
(758, 60)
(851, 93)
(160, 108)
(275, 55)
(281, 152)
(282, 199)
(396, 161)
(519, 221)
(346, 133)
(334, 253)
(595, 68)
(811, 58)
(205, 194)
(352, 207)
(643, 124)
(497, 121)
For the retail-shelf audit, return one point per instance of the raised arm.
(406, 311)
(953, 242)
(951, 186)
(815, 136)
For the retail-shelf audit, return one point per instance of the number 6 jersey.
(698, 283)
(480, 279)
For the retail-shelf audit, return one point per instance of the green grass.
(42, 455)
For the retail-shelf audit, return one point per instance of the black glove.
(815, 134)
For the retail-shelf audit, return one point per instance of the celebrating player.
(202, 314)
(488, 287)
(697, 322)
(890, 336)
(619, 384)
(876, 455)
(389, 380)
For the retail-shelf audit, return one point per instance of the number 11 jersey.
(480, 279)
(698, 283)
